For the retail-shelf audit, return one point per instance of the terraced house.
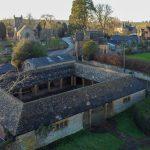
(61, 98)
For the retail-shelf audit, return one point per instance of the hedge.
(117, 60)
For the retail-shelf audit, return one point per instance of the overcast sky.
(133, 10)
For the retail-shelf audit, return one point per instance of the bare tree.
(102, 15)
(29, 18)
(11, 80)
(48, 19)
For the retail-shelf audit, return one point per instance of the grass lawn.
(86, 140)
(142, 56)
(125, 124)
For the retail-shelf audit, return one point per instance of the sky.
(126, 10)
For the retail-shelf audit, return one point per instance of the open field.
(142, 56)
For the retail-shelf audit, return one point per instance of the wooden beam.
(72, 81)
(75, 81)
(35, 89)
(106, 110)
(83, 82)
(49, 86)
(20, 93)
(61, 83)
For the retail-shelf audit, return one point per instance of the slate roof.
(38, 76)
(19, 117)
(46, 61)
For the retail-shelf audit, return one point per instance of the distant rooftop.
(46, 61)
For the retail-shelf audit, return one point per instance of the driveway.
(68, 50)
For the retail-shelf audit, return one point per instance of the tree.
(80, 12)
(26, 49)
(102, 15)
(39, 29)
(29, 18)
(89, 49)
(2, 31)
(47, 20)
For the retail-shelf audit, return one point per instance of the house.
(26, 33)
(18, 23)
(44, 62)
(118, 39)
(103, 45)
(145, 33)
(60, 100)
(94, 35)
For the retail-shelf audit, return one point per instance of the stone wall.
(95, 73)
(119, 106)
(33, 140)
(136, 74)
(75, 124)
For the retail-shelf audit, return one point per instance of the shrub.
(26, 49)
(133, 64)
(89, 49)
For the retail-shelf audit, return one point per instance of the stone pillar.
(49, 86)
(61, 83)
(75, 81)
(35, 89)
(92, 82)
(72, 78)
(83, 82)
(90, 117)
(106, 110)
(20, 93)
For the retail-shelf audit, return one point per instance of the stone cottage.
(62, 99)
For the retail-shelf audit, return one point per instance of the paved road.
(68, 50)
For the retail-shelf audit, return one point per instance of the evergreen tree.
(2, 31)
(80, 14)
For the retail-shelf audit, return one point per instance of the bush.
(89, 49)
(26, 49)
(141, 114)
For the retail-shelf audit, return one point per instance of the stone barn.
(62, 99)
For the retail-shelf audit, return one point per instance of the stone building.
(103, 45)
(60, 100)
(18, 23)
(45, 62)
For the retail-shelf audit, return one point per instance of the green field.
(86, 140)
(142, 56)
